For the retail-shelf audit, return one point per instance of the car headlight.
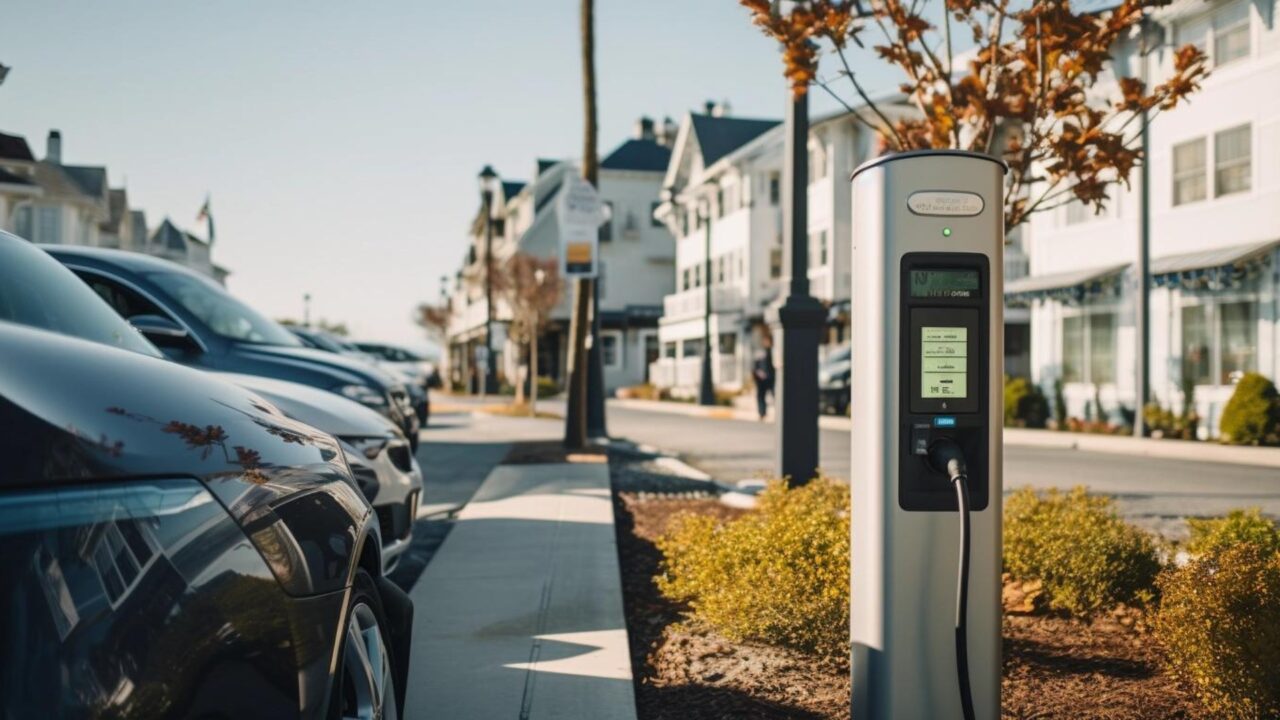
(365, 395)
(368, 446)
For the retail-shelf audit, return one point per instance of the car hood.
(74, 410)
(350, 369)
(322, 409)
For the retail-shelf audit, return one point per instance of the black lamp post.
(488, 186)
(706, 388)
(800, 315)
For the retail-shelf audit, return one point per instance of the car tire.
(364, 686)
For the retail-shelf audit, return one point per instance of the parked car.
(380, 457)
(413, 380)
(833, 381)
(196, 322)
(171, 545)
(408, 361)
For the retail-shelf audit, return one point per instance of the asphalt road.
(1152, 492)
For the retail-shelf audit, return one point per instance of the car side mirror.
(163, 332)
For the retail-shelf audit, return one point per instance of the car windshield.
(38, 291)
(224, 314)
(324, 342)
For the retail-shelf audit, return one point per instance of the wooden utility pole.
(575, 421)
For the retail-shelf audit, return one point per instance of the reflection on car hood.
(321, 409)
(76, 410)
(361, 372)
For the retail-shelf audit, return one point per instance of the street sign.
(580, 213)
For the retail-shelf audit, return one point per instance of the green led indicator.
(946, 232)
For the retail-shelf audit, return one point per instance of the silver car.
(379, 455)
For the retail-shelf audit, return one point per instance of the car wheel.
(364, 687)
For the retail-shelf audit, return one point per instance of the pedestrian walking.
(765, 374)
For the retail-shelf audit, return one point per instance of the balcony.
(692, 303)
(726, 372)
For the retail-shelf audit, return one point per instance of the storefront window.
(1195, 346)
(728, 343)
(1102, 348)
(1239, 344)
(1073, 349)
(691, 348)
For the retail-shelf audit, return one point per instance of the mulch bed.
(551, 451)
(1053, 667)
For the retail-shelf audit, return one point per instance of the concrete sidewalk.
(1208, 451)
(519, 614)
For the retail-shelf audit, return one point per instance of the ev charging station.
(927, 412)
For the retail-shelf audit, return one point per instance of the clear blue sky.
(340, 141)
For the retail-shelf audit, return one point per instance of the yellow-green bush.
(1252, 415)
(1237, 527)
(779, 574)
(1086, 557)
(1219, 622)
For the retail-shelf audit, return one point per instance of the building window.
(1231, 33)
(606, 229)
(775, 262)
(48, 225)
(1231, 161)
(1088, 348)
(1102, 348)
(720, 270)
(1073, 349)
(23, 224)
(691, 348)
(823, 249)
(653, 214)
(611, 349)
(1077, 212)
(728, 343)
(775, 188)
(684, 279)
(1189, 171)
(697, 275)
(669, 350)
(1195, 345)
(1239, 344)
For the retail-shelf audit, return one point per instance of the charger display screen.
(944, 353)
(944, 283)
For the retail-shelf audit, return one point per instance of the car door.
(130, 302)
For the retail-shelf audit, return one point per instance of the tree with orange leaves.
(1032, 90)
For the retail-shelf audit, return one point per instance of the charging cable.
(945, 455)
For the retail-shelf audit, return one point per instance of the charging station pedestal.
(928, 260)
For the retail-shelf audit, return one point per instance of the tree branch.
(901, 142)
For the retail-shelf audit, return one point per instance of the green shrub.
(547, 387)
(1252, 415)
(1086, 557)
(1059, 405)
(1024, 404)
(1236, 528)
(778, 575)
(1219, 622)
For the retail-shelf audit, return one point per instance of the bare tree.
(532, 290)
(1033, 87)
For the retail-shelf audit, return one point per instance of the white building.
(1215, 227)
(48, 201)
(636, 259)
(725, 180)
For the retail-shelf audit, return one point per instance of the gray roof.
(173, 237)
(511, 188)
(1228, 257)
(56, 181)
(14, 147)
(92, 179)
(644, 155)
(719, 136)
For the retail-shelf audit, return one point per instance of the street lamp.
(800, 315)
(488, 187)
(706, 389)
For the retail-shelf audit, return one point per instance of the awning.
(1070, 286)
(1215, 268)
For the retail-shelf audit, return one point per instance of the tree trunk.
(533, 375)
(576, 412)
(519, 381)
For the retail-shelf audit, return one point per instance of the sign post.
(927, 413)
(581, 213)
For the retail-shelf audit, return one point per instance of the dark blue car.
(196, 322)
